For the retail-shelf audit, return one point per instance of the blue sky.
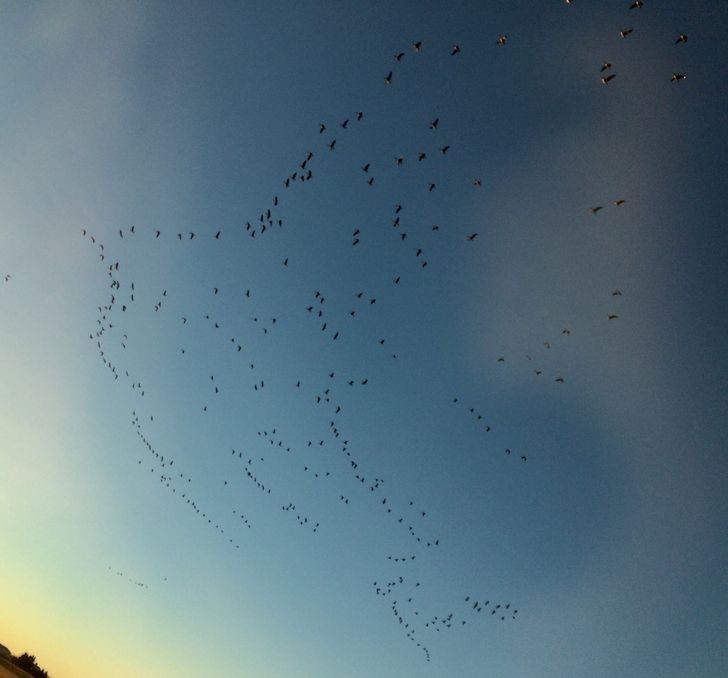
(609, 539)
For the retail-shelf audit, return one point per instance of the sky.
(161, 510)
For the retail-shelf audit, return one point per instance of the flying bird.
(681, 38)
(502, 39)
(455, 50)
(625, 32)
(676, 77)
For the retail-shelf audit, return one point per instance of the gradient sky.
(610, 539)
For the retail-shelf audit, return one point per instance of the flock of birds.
(328, 460)
(129, 579)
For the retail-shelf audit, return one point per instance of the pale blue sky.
(179, 117)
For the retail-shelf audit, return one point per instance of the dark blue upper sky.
(349, 437)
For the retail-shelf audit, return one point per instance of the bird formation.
(241, 334)
(131, 580)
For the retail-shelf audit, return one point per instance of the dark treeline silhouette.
(27, 662)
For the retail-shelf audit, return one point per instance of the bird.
(609, 77)
(388, 78)
(502, 39)
(676, 77)
(332, 145)
(417, 46)
(624, 33)
(444, 149)
(619, 202)
(365, 168)
(636, 4)
(616, 292)
(285, 261)
(435, 123)
(477, 183)
(455, 50)
(596, 209)
(399, 56)
(472, 237)
(345, 123)
(359, 115)
(606, 65)
(681, 38)
(612, 316)
(431, 187)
